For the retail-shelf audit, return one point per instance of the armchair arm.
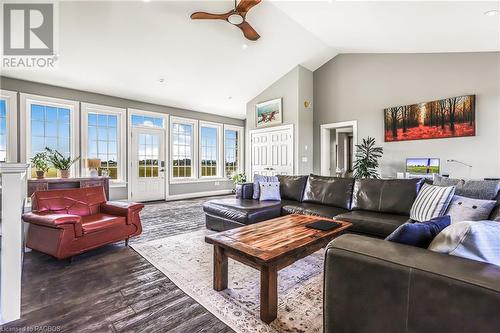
(126, 209)
(390, 287)
(52, 220)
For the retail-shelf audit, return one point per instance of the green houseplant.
(41, 163)
(367, 155)
(60, 162)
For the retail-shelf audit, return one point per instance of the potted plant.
(60, 162)
(238, 179)
(367, 155)
(41, 163)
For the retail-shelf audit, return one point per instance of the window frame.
(194, 149)
(240, 130)
(11, 145)
(121, 152)
(26, 100)
(219, 147)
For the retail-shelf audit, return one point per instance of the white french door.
(272, 151)
(148, 164)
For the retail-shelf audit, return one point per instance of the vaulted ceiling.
(125, 48)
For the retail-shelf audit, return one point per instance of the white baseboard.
(197, 195)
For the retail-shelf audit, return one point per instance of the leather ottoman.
(229, 213)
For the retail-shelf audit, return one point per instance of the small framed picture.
(269, 113)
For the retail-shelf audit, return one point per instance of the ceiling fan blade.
(245, 5)
(209, 16)
(248, 31)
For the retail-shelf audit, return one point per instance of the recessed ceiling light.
(161, 80)
(146, 0)
(492, 12)
(244, 46)
(230, 97)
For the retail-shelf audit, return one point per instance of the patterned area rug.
(187, 261)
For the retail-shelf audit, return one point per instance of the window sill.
(198, 180)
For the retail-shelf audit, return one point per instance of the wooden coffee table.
(269, 246)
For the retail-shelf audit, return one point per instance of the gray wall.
(359, 86)
(294, 87)
(84, 96)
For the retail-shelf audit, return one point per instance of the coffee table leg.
(268, 294)
(220, 268)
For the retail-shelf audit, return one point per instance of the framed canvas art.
(445, 118)
(269, 113)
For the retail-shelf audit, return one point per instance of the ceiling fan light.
(235, 19)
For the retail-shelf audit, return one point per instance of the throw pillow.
(259, 178)
(447, 181)
(419, 234)
(476, 240)
(432, 201)
(479, 189)
(270, 191)
(467, 209)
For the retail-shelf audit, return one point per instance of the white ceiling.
(124, 48)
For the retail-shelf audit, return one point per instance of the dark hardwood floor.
(113, 289)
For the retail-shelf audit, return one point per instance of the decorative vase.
(40, 174)
(64, 173)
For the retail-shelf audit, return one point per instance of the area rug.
(187, 261)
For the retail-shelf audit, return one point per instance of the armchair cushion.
(125, 209)
(93, 223)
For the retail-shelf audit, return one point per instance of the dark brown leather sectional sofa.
(371, 285)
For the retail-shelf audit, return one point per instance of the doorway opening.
(338, 141)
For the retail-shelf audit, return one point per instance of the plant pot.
(64, 173)
(40, 174)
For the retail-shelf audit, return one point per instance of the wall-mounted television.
(422, 166)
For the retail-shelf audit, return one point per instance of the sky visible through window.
(3, 130)
(231, 152)
(102, 141)
(208, 151)
(182, 145)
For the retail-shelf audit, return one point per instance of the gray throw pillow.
(270, 191)
(479, 189)
(257, 179)
(467, 209)
(447, 181)
(476, 240)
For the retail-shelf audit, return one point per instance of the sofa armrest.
(390, 287)
(52, 220)
(126, 209)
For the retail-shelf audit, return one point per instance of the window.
(102, 130)
(183, 148)
(209, 149)
(49, 122)
(8, 126)
(233, 137)
(147, 121)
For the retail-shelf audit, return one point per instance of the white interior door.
(272, 151)
(148, 164)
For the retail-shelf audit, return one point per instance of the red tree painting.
(445, 118)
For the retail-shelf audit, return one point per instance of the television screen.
(422, 165)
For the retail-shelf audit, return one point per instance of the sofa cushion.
(97, 222)
(468, 209)
(476, 240)
(243, 210)
(331, 191)
(432, 201)
(476, 189)
(373, 223)
(292, 187)
(394, 196)
(306, 208)
(419, 234)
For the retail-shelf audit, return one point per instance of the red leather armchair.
(64, 223)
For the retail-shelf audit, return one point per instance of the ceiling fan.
(236, 17)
